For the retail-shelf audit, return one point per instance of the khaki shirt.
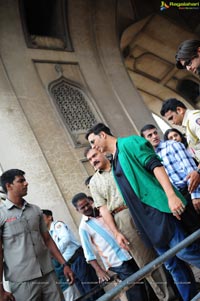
(104, 190)
(191, 122)
(26, 257)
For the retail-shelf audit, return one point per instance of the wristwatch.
(198, 170)
(65, 264)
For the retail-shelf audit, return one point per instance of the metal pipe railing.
(147, 269)
(96, 289)
(196, 298)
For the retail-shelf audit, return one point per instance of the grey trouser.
(40, 289)
(143, 255)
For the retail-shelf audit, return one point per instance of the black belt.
(77, 253)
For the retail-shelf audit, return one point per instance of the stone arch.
(149, 60)
(189, 88)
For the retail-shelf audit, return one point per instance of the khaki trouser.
(143, 255)
(44, 288)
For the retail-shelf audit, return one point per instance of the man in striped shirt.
(178, 164)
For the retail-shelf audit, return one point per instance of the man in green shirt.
(154, 204)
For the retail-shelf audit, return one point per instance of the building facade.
(65, 65)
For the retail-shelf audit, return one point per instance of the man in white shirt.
(95, 235)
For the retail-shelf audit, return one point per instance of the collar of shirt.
(85, 218)
(10, 204)
(161, 145)
(185, 118)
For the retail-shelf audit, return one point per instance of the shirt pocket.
(13, 228)
(33, 222)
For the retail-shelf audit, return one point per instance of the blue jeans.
(85, 277)
(178, 267)
(138, 291)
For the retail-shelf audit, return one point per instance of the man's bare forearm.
(164, 181)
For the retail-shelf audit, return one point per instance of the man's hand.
(176, 206)
(6, 296)
(102, 275)
(194, 178)
(122, 241)
(69, 275)
(196, 204)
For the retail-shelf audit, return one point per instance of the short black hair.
(79, 196)
(47, 212)
(186, 51)
(147, 127)
(97, 128)
(171, 104)
(8, 177)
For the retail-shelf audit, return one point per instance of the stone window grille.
(74, 108)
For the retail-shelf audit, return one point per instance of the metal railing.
(150, 267)
(97, 288)
(196, 298)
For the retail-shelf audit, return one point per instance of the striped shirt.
(178, 164)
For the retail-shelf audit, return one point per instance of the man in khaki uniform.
(116, 215)
(25, 245)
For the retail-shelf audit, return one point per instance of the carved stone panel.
(73, 106)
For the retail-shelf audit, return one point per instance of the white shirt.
(95, 234)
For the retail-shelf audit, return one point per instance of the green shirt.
(134, 153)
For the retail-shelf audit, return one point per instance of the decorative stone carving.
(73, 106)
